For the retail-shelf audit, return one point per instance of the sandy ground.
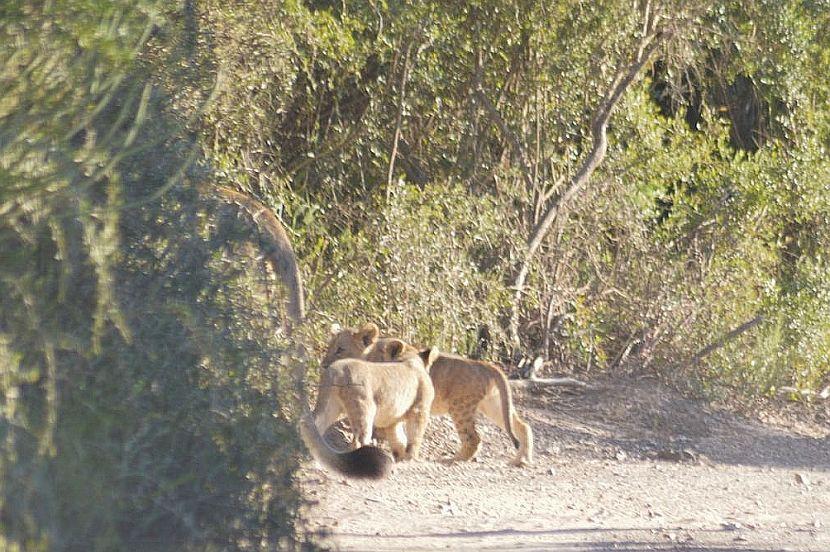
(626, 466)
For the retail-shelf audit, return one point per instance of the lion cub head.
(388, 349)
(363, 343)
(350, 343)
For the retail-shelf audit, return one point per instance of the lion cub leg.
(361, 413)
(463, 416)
(417, 418)
(397, 440)
(415, 426)
(492, 408)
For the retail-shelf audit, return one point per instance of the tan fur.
(393, 396)
(463, 387)
(349, 343)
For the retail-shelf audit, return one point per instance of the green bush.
(705, 214)
(422, 267)
(146, 402)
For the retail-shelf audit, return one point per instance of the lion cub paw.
(520, 462)
(404, 456)
(400, 456)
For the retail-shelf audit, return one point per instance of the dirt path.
(626, 467)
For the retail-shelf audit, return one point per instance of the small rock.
(802, 479)
(621, 455)
(731, 526)
(671, 536)
(551, 471)
(596, 516)
(448, 509)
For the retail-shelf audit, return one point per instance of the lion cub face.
(364, 344)
(349, 343)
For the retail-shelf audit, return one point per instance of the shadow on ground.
(576, 539)
(644, 420)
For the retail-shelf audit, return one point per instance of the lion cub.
(394, 396)
(462, 388)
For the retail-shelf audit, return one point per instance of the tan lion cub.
(462, 388)
(393, 396)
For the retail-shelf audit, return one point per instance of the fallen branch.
(726, 338)
(550, 382)
(532, 381)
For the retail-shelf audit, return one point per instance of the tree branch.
(599, 147)
(274, 242)
(506, 131)
(726, 338)
(398, 120)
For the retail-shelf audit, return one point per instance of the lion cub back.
(459, 378)
(392, 386)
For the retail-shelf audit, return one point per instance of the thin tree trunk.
(726, 338)
(599, 147)
(398, 121)
(275, 245)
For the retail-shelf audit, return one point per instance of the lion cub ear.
(395, 349)
(368, 333)
(429, 356)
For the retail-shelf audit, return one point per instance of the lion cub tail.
(364, 463)
(506, 401)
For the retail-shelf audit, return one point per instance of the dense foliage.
(413, 150)
(145, 402)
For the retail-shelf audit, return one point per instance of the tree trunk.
(599, 146)
(275, 245)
